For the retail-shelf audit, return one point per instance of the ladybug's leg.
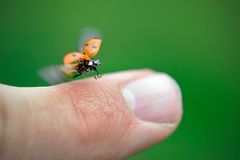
(82, 70)
(95, 69)
(98, 75)
(76, 75)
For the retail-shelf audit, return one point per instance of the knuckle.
(100, 112)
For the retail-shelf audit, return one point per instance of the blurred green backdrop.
(196, 42)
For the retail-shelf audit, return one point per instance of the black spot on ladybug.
(94, 46)
(86, 44)
(74, 55)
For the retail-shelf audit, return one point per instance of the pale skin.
(82, 120)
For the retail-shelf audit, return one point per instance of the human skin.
(113, 117)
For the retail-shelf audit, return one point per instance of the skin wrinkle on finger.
(100, 117)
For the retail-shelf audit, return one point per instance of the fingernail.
(156, 98)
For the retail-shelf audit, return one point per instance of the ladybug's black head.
(95, 62)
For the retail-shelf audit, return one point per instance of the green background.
(196, 42)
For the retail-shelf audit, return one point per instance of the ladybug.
(76, 63)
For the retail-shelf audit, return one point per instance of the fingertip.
(155, 97)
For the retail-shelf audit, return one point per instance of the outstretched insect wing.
(56, 74)
(87, 34)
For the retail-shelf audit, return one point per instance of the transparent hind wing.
(87, 34)
(56, 74)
